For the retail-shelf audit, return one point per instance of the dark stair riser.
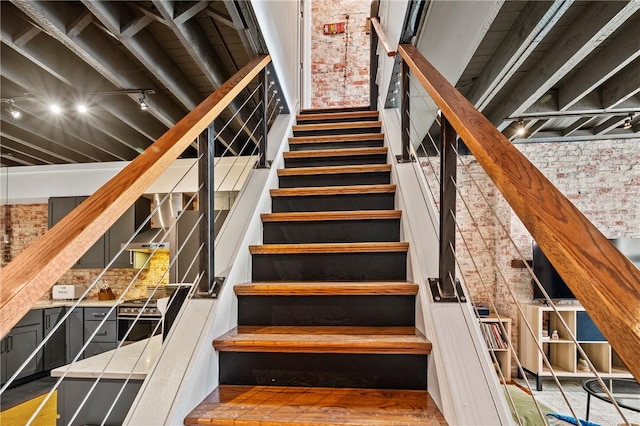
(363, 310)
(337, 120)
(346, 131)
(376, 371)
(330, 110)
(338, 179)
(354, 160)
(336, 145)
(329, 266)
(332, 231)
(324, 203)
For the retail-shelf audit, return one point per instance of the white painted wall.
(35, 184)
(280, 25)
(391, 13)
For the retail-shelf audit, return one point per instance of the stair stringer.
(461, 380)
(188, 368)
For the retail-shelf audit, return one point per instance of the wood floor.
(276, 405)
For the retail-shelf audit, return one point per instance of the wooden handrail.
(605, 282)
(39, 266)
(383, 38)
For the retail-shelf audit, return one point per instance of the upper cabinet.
(101, 253)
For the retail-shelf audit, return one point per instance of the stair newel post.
(264, 99)
(404, 78)
(206, 207)
(448, 163)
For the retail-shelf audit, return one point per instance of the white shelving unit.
(562, 352)
(502, 354)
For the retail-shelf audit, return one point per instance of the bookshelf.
(562, 352)
(497, 342)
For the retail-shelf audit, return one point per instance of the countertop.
(44, 304)
(118, 363)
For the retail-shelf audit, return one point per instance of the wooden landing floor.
(274, 405)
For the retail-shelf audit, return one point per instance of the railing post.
(404, 86)
(264, 98)
(448, 162)
(206, 207)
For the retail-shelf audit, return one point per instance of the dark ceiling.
(107, 55)
(567, 69)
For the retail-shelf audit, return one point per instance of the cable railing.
(189, 237)
(476, 194)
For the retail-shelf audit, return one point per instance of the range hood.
(158, 237)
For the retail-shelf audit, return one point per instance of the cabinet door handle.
(103, 333)
(47, 322)
(99, 314)
(9, 343)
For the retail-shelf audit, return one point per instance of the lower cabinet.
(19, 343)
(104, 336)
(54, 350)
(75, 334)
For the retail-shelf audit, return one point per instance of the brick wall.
(29, 221)
(602, 178)
(339, 62)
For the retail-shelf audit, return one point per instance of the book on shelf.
(493, 336)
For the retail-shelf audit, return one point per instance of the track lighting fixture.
(627, 122)
(15, 113)
(522, 130)
(143, 102)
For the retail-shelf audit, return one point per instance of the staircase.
(326, 330)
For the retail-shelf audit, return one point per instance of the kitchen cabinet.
(74, 328)
(59, 207)
(19, 343)
(122, 230)
(105, 338)
(101, 253)
(184, 269)
(54, 350)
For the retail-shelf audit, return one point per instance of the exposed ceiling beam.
(250, 45)
(602, 66)
(98, 50)
(609, 124)
(622, 86)
(57, 149)
(9, 144)
(135, 25)
(15, 160)
(219, 17)
(101, 142)
(190, 11)
(69, 69)
(79, 24)
(588, 30)
(26, 35)
(576, 125)
(531, 26)
(147, 50)
(149, 13)
(21, 72)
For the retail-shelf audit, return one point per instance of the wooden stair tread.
(343, 152)
(333, 170)
(336, 126)
(331, 215)
(332, 190)
(336, 138)
(336, 115)
(329, 248)
(324, 288)
(324, 339)
(284, 405)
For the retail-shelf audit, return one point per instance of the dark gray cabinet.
(19, 343)
(105, 338)
(59, 207)
(122, 230)
(54, 350)
(101, 253)
(74, 327)
(184, 269)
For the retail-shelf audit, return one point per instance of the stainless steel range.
(139, 319)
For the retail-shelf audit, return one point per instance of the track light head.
(627, 122)
(143, 102)
(522, 130)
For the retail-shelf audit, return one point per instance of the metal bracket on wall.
(217, 286)
(439, 297)
(399, 160)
